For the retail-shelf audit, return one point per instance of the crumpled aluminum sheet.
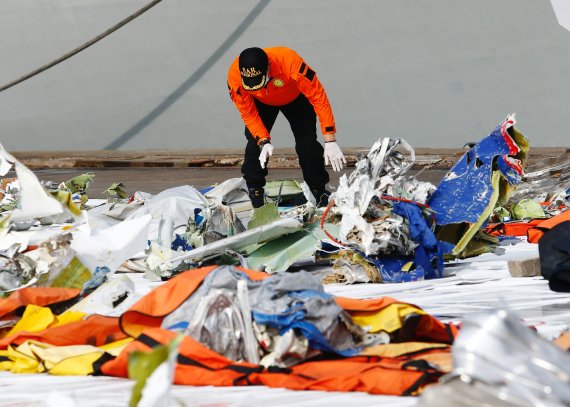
(378, 169)
(20, 270)
(223, 323)
(412, 189)
(500, 362)
(17, 270)
(233, 192)
(392, 232)
(391, 236)
(218, 323)
(383, 159)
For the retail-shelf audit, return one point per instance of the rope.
(82, 47)
(323, 218)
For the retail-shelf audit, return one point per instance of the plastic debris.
(500, 362)
(375, 218)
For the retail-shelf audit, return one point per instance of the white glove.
(266, 152)
(334, 155)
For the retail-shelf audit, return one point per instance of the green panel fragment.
(116, 190)
(500, 214)
(527, 209)
(287, 188)
(279, 254)
(80, 183)
(141, 365)
(264, 215)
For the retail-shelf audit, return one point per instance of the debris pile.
(382, 225)
(240, 291)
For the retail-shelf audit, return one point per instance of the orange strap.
(200, 366)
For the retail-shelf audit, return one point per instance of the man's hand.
(266, 152)
(334, 155)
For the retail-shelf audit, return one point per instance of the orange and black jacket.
(289, 76)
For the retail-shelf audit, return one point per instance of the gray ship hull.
(437, 73)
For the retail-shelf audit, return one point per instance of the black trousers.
(303, 121)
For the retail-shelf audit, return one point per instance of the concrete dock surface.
(156, 170)
(437, 158)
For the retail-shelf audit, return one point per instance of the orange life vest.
(41, 296)
(198, 365)
(95, 330)
(289, 77)
(535, 234)
(512, 228)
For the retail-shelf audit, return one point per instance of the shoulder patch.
(310, 75)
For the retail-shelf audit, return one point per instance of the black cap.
(253, 63)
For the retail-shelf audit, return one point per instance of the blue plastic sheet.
(429, 248)
(392, 269)
(298, 317)
(429, 251)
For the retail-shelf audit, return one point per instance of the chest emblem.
(278, 83)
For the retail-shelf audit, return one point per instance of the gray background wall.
(438, 73)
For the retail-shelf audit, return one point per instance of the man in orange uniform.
(263, 82)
